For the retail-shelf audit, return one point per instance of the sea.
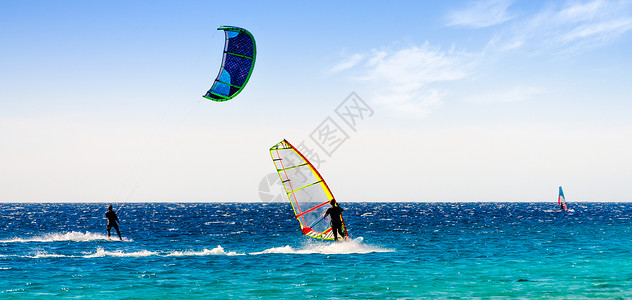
(257, 251)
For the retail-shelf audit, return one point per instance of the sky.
(458, 101)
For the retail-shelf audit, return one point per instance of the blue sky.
(470, 100)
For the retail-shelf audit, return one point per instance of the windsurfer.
(335, 212)
(112, 221)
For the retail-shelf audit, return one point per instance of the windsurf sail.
(237, 64)
(561, 201)
(306, 189)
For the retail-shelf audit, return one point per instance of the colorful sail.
(561, 201)
(306, 189)
(237, 65)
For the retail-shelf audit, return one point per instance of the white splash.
(73, 236)
(347, 247)
(285, 249)
(103, 253)
(219, 250)
(46, 255)
(100, 252)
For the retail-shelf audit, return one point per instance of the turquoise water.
(238, 250)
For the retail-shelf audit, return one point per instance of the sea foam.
(73, 236)
(347, 247)
(46, 255)
(219, 250)
(103, 253)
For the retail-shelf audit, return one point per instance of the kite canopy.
(237, 65)
(306, 189)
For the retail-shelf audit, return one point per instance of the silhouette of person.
(112, 222)
(335, 212)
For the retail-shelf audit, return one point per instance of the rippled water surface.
(239, 250)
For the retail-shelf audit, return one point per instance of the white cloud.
(598, 31)
(411, 68)
(571, 28)
(582, 11)
(416, 79)
(402, 80)
(481, 14)
(348, 63)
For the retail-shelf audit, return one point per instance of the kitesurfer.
(112, 221)
(335, 212)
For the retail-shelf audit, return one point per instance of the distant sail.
(237, 64)
(561, 201)
(306, 189)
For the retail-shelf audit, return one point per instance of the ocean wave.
(118, 253)
(100, 252)
(46, 255)
(347, 247)
(219, 250)
(73, 236)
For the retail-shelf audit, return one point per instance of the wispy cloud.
(348, 63)
(481, 14)
(416, 79)
(598, 32)
(579, 11)
(403, 80)
(573, 27)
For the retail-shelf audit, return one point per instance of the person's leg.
(117, 231)
(341, 234)
(109, 226)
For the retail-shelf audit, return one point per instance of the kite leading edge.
(237, 64)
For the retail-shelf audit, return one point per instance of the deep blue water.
(246, 250)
